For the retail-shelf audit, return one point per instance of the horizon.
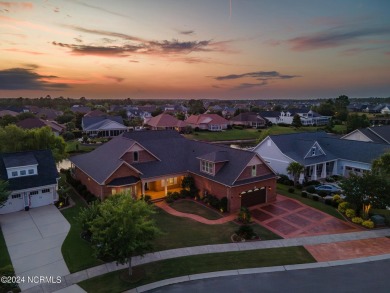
(179, 50)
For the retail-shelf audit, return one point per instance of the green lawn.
(5, 260)
(78, 253)
(342, 129)
(156, 271)
(73, 146)
(182, 232)
(282, 189)
(191, 207)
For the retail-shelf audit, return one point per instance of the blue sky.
(249, 49)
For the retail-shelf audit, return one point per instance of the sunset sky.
(239, 49)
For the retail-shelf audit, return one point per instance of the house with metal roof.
(322, 154)
(32, 177)
(155, 162)
(103, 126)
(380, 134)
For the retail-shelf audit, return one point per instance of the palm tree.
(295, 169)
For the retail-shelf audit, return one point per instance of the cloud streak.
(99, 8)
(259, 75)
(27, 79)
(334, 38)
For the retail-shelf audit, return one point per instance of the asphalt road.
(371, 277)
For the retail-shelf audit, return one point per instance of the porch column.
(301, 178)
(314, 174)
(166, 187)
(334, 172)
(323, 173)
(143, 187)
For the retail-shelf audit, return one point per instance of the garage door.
(14, 203)
(40, 199)
(253, 197)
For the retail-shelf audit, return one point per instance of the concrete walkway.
(74, 278)
(163, 205)
(34, 241)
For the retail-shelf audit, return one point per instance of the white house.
(32, 178)
(322, 154)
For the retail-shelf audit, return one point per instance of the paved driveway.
(290, 218)
(34, 241)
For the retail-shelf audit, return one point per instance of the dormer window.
(313, 151)
(207, 167)
(14, 173)
(135, 156)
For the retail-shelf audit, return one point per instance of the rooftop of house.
(165, 120)
(47, 171)
(96, 121)
(380, 134)
(175, 154)
(248, 116)
(206, 119)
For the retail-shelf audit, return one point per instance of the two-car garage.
(253, 197)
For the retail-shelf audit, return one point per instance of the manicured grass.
(182, 232)
(282, 189)
(78, 253)
(191, 207)
(5, 260)
(340, 129)
(200, 264)
(74, 146)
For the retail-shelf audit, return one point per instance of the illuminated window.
(254, 171)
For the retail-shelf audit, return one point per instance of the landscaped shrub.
(315, 197)
(310, 189)
(357, 220)
(328, 201)
(337, 198)
(322, 193)
(329, 179)
(185, 193)
(291, 190)
(244, 215)
(239, 127)
(368, 224)
(146, 198)
(343, 206)
(246, 232)
(223, 204)
(304, 194)
(312, 182)
(283, 179)
(169, 198)
(298, 186)
(350, 213)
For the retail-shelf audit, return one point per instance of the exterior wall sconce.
(269, 188)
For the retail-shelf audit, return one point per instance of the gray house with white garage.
(322, 154)
(32, 177)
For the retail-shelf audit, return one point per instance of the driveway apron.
(34, 239)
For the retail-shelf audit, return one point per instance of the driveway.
(290, 218)
(34, 241)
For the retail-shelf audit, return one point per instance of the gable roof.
(99, 122)
(380, 134)
(176, 153)
(206, 119)
(95, 113)
(165, 120)
(248, 116)
(47, 171)
(296, 146)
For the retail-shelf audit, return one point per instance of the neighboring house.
(155, 162)
(308, 117)
(95, 113)
(228, 112)
(48, 114)
(249, 119)
(103, 126)
(211, 122)
(8, 112)
(80, 109)
(322, 154)
(31, 123)
(32, 178)
(271, 116)
(165, 122)
(380, 134)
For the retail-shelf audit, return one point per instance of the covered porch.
(159, 187)
(319, 171)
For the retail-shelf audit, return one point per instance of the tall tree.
(123, 228)
(296, 121)
(381, 166)
(295, 169)
(355, 121)
(4, 192)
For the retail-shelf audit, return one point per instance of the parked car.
(330, 188)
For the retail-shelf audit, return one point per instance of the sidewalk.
(228, 247)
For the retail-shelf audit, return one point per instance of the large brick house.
(155, 162)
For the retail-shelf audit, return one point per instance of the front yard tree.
(4, 192)
(381, 166)
(369, 189)
(123, 228)
(295, 169)
(296, 121)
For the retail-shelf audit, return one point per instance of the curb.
(260, 270)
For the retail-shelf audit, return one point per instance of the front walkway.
(34, 241)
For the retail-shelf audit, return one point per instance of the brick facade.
(143, 156)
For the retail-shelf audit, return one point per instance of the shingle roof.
(217, 156)
(297, 145)
(19, 160)
(165, 120)
(123, 181)
(248, 116)
(47, 171)
(206, 119)
(274, 114)
(381, 132)
(176, 154)
(90, 123)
